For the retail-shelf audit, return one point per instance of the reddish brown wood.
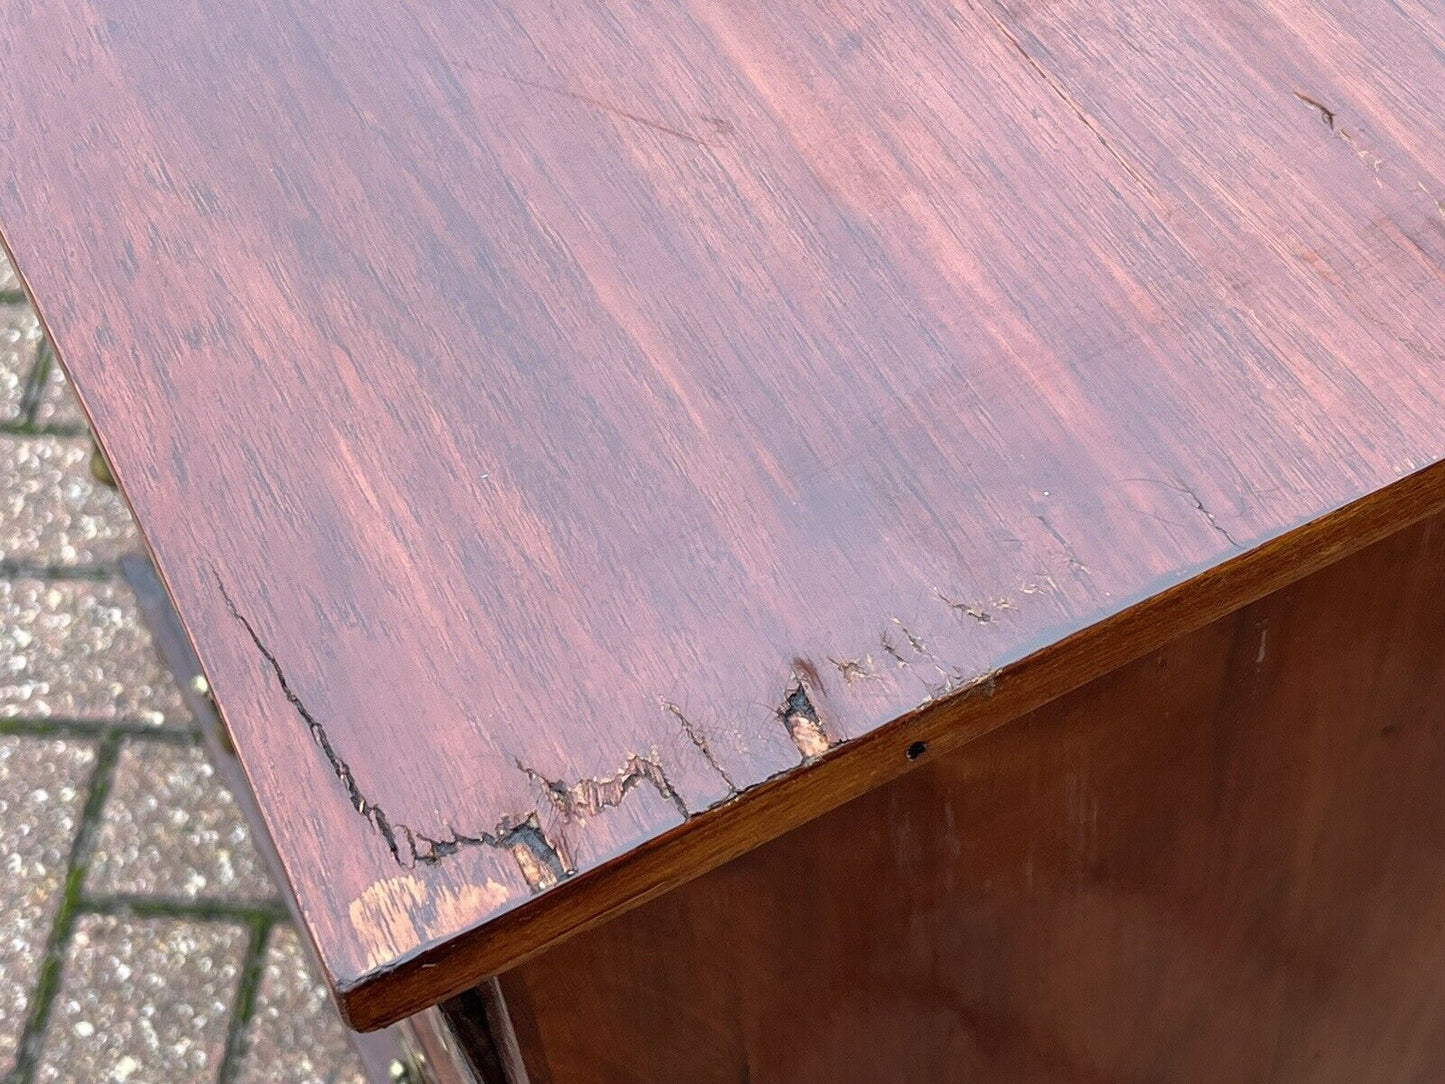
(524, 403)
(1221, 863)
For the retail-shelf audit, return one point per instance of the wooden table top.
(585, 441)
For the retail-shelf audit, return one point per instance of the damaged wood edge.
(539, 859)
(847, 770)
(804, 727)
(589, 797)
(699, 741)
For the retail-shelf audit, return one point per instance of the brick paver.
(19, 349)
(292, 1035)
(42, 791)
(140, 942)
(75, 649)
(54, 512)
(56, 409)
(143, 1000)
(169, 829)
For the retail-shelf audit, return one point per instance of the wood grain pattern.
(1221, 863)
(554, 422)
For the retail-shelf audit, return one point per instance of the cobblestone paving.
(140, 940)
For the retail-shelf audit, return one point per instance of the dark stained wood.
(554, 422)
(1221, 863)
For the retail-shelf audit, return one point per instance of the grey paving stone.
(295, 1036)
(77, 649)
(9, 280)
(42, 792)
(58, 405)
(143, 1001)
(52, 512)
(171, 829)
(20, 337)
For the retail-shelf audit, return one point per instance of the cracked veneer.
(969, 609)
(589, 797)
(699, 741)
(854, 670)
(1327, 115)
(521, 836)
(1199, 506)
(1075, 562)
(1208, 515)
(539, 859)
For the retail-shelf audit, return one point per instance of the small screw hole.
(917, 749)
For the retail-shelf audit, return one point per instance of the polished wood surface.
(1221, 863)
(554, 422)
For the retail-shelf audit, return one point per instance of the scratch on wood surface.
(609, 108)
(1326, 113)
(717, 124)
(1375, 163)
(1065, 95)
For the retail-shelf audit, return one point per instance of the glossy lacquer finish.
(555, 421)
